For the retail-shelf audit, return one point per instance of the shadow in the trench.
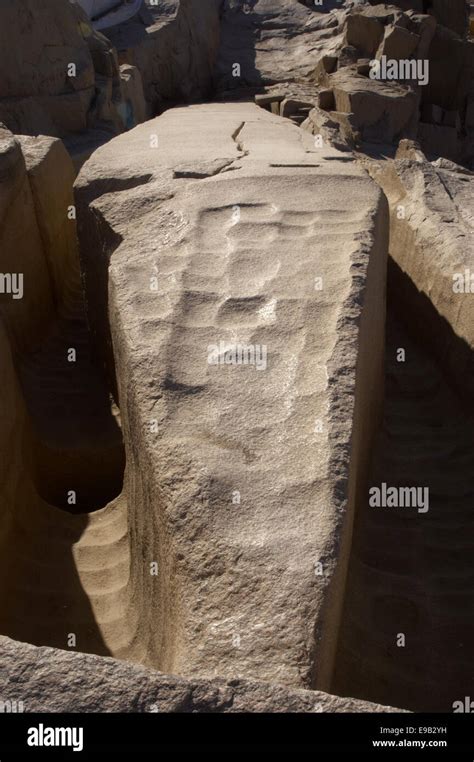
(42, 598)
(408, 620)
(77, 454)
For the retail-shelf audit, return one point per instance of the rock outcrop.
(432, 218)
(61, 451)
(431, 232)
(221, 228)
(81, 683)
(70, 85)
(174, 45)
(323, 59)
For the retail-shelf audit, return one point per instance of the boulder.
(398, 43)
(50, 680)
(328, 129)
(208, 285)
(380, 111)
(364, 32)
(290, 106)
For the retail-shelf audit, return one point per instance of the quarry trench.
(408, 616)
(407, 574)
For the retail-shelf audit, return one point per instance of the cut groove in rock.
(411, 574)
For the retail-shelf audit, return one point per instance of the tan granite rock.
(241, 473)
(49, 680)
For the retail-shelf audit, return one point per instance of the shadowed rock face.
(241, 477)
(412, 575)
(64, 566)
(432, 217)
(452, 14)
(174, 45)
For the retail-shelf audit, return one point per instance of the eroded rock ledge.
(83, 683)
(240, 483)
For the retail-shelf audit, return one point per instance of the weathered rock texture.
(432, 230)
(71, 83)
(432, 225)
(48, 680)
(322, 59)
(452, 14)
(60, 573)
(36, 93)
(230, 469)
(223, 553)
(174, 46)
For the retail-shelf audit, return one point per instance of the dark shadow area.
(240, 29)
(77, 454)
(42, 599)
(421, 320)
(408, 621)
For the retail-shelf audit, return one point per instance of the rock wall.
(62, 571)
(432, 226)
(174, 45)
(70, 85)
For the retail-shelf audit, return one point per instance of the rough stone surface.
(278, 45)
(452, 14)
(378, 111)
(236, 255)
(57, 432)
(22, 248)
(432, 239)
(51, 176)
(36, 94)
(39, 94)
(49, 680)
(173, 45)
(275, 41)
